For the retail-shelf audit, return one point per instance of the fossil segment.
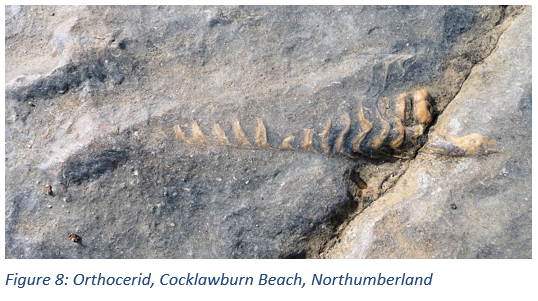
(324, 138)
(341, 139)
(400, 106)
(422, 107)
(197, 133)
(308, 140)
(180, 135)
(378, 141)
(366, 127)
(286, 143)
(395, 144)
(239, 135)
(220, 134)
(261, 134)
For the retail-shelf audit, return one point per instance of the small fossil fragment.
(74, 237)
(355, 178)
(286, 143)
(48, 189)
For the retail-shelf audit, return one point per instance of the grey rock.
(108, 86)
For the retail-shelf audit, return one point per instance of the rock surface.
(469, 207)
(94, 95)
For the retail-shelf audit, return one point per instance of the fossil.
(470, 145)
(48, 189)
(398, 129)
(74, 237)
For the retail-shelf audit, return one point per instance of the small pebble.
(453, 206)
(49, 206)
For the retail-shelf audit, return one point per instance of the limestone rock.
(95, 95)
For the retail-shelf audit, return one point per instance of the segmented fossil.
(396, 129)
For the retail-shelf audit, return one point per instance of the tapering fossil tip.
(471, 145)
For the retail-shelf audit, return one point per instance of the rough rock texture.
(94, 95)
(469, 207)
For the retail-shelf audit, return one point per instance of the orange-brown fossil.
(239, 135)
(324, 138)
(342, 137)
(286, 143)
(180, 135)
(395, 129)
(308, 140)
(471, 145)
(197, 133)
(220, 134)
(261, 134)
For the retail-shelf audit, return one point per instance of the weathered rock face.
(95, 97)
(469, 207)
